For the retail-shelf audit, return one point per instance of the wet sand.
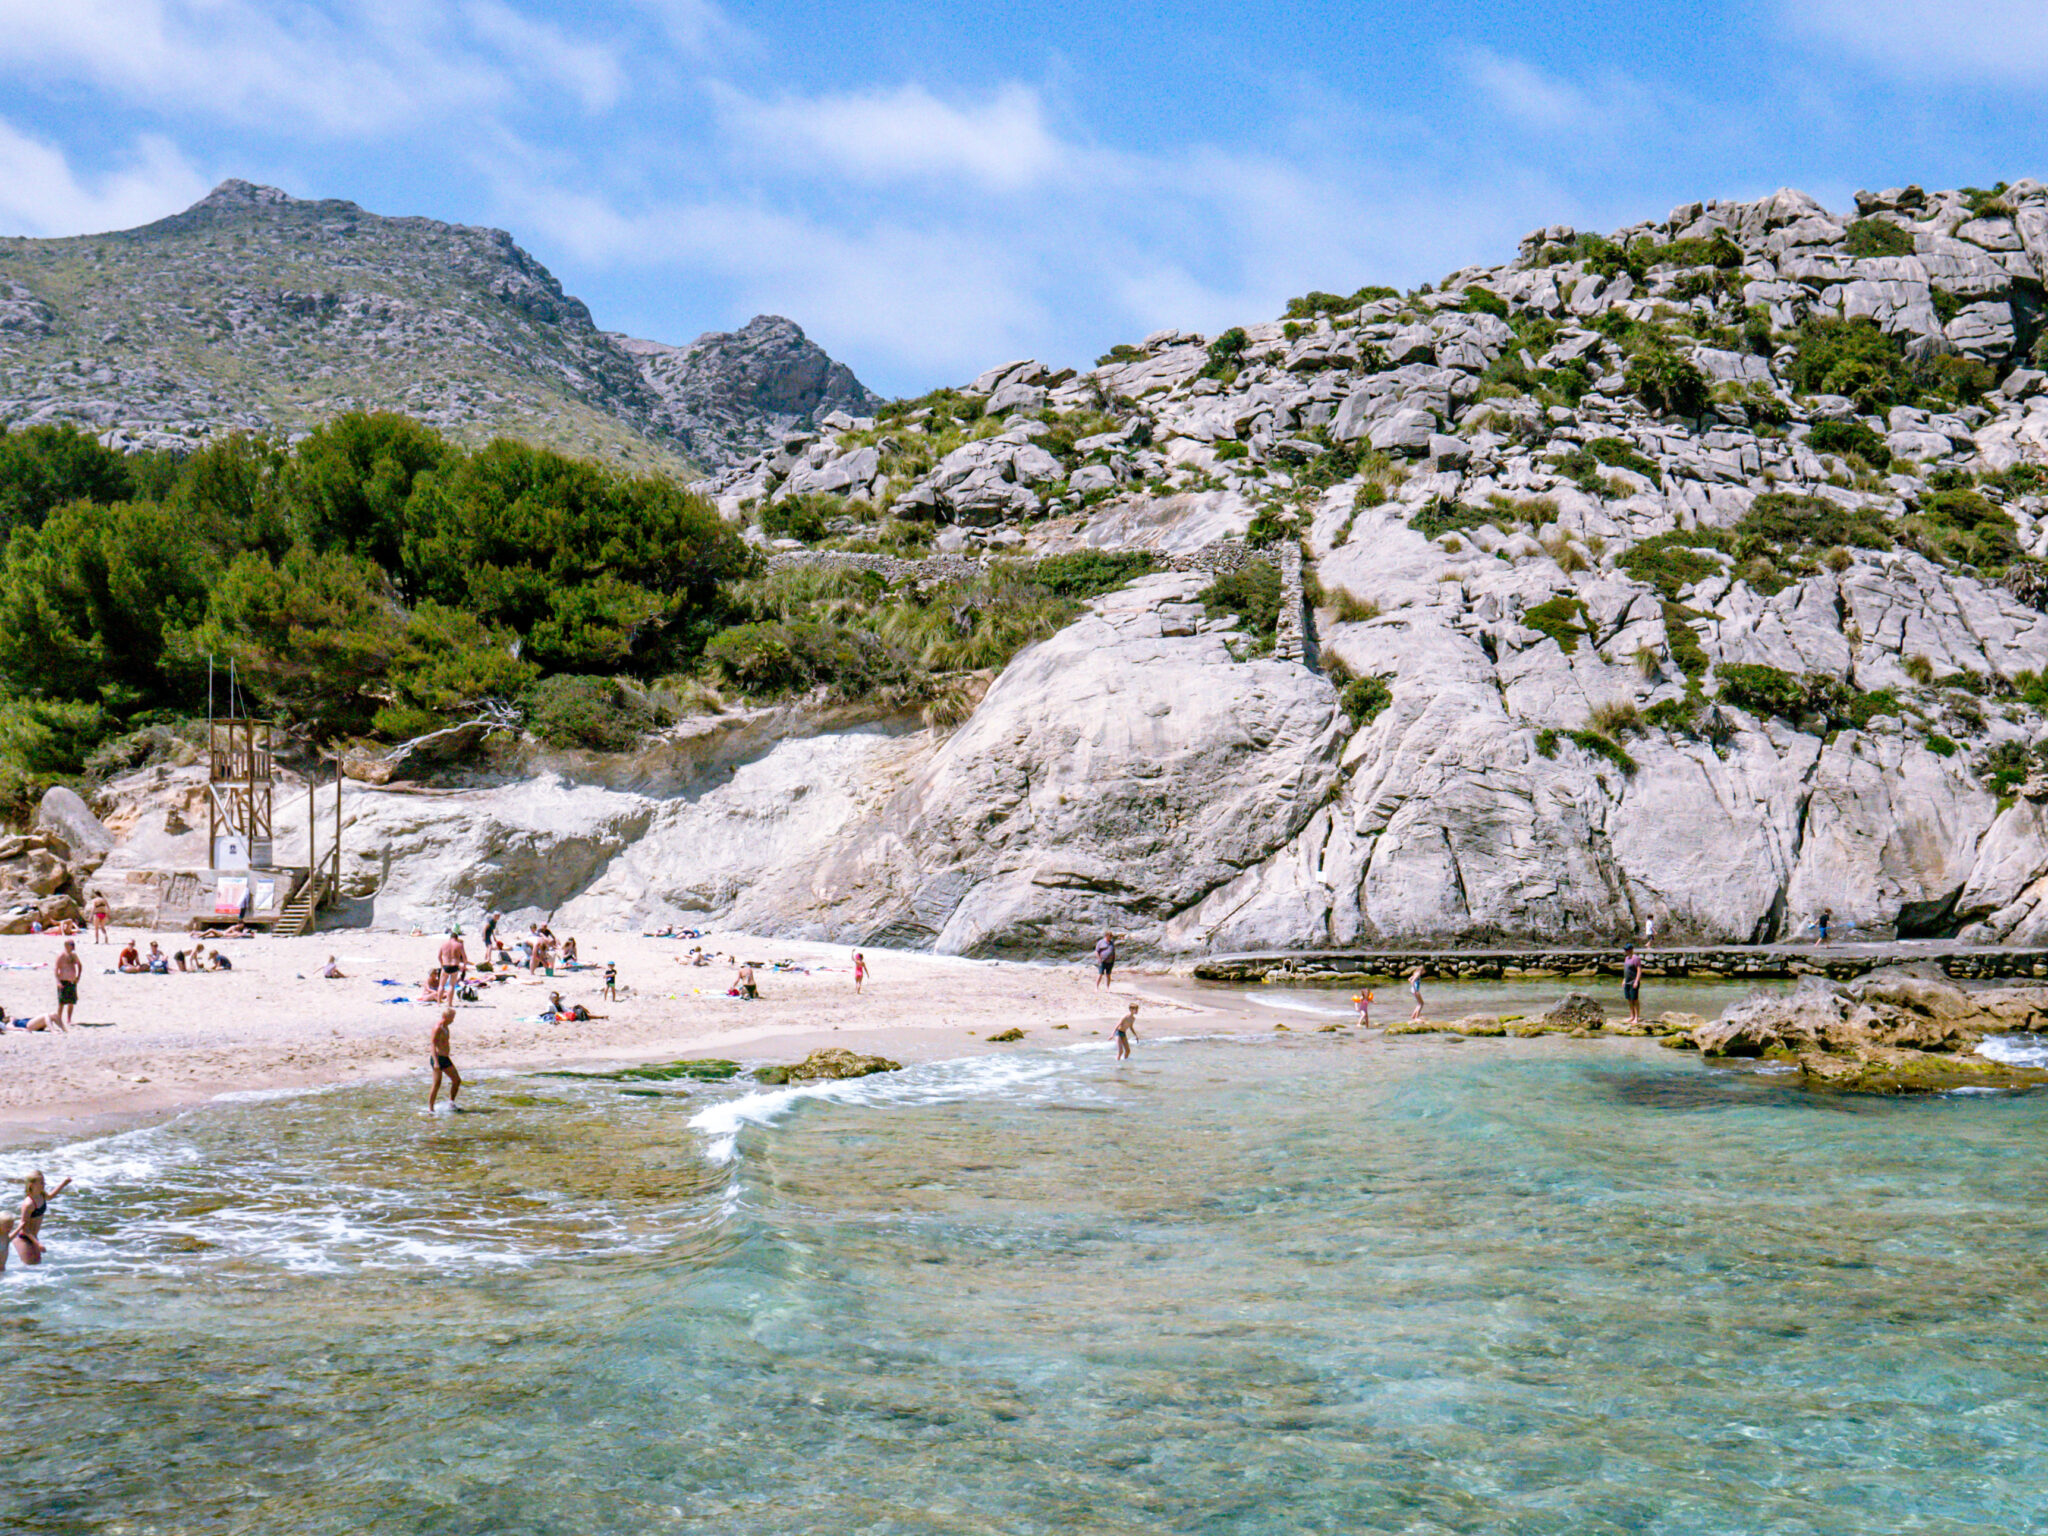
(148, 1046)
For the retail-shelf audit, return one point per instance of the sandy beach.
(146, 1046)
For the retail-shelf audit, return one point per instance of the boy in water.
(442, 1063)
(1126, 1032)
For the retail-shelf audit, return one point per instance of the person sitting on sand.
(1415, 991)
(433, 992)
(27, 1237)
(743, 985)
(129, 961)
(218, 961)
(574, 1013)
(158, 962)
(569, 953)
(1126, 1032)
(332, 970)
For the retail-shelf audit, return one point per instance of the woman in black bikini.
(28, 1229)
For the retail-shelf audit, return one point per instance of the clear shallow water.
(1308, 1284)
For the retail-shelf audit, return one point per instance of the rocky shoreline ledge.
(1901, 1030)
(1740, 962)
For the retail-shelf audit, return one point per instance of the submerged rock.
(830, 1063)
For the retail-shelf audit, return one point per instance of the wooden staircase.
(296, 920)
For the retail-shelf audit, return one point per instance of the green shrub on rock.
(1364, 698)
(1253, 594)
(1850, 437)
(1877, 237)
(594, 713)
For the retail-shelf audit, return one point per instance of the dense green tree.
(597, 570)
(98, 599)
(350, 480)
(235, 492)
(44, 467)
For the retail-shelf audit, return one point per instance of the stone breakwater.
(1736, 962)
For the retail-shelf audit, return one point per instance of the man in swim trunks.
(1632, 984)
(68, 969)
(1105, 959)
(453, 957)
(442, 1063)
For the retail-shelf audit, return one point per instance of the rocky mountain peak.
(256, 310)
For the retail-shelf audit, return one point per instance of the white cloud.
(2004, 40)
(342, 68)
(1002, 143)
(1520, 90)
(40, 193)
(591, 71)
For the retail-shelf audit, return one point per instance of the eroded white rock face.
(1112, 778)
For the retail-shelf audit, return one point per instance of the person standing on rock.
(443, 1064)
(102, 914)
(1126, 1032)
(1632, 984)
(68, 969)
(1415, 991)
(1105, 960)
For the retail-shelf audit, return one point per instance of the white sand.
(151, 1045)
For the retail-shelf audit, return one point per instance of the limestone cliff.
(1699, 565)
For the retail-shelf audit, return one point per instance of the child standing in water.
(1364, 1002)
(1415, 991)
(1126, 1032)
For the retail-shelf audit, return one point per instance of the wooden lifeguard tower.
(240, 773)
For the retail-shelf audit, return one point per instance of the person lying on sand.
(129, 961)
(574, 1013)
(39, 1022)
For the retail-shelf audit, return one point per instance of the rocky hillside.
(1687, 572)
(254, 309)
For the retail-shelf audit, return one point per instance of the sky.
(932, 189)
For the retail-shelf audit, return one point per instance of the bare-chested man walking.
(442, 1063)
(68, 969)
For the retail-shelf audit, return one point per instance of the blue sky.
(930, 189)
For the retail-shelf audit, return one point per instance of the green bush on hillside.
(1877, 237)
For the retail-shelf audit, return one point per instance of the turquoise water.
(1302, 1283)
